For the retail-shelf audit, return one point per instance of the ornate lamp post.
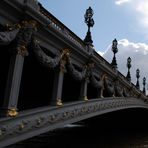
(144, 83)
(129, 66)
(138, 76)
(90, 23)
(115, 50)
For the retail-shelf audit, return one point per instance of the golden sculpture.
(12, 112)
(59, 102)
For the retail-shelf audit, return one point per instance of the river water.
(81, 136)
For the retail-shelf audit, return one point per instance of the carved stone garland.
(77, 75)
(118, 89)
(44, 58)
(99, 84)
(109, 87)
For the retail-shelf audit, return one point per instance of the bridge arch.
(132, 118)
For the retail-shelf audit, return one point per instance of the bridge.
(50, 77)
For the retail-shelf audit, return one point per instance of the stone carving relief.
(21, 34)
(109, 87)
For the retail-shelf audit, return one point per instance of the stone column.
(83, 91)
(13, 82)
(19, 50)
(57, 87)
(58, 80)
(88, 67)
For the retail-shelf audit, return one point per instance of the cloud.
(120, 2)
(138, 8)
(100, 53)
(138, 53)
(142, 9)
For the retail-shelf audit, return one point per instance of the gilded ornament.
(21, 25)
(21, 126)
(24, 23)
(9, 27)
(85, 98)
(65, 53)
(12, 112)
(63, 59)
(22, 50)
(59, 102)
(18, 26)
(33, 23)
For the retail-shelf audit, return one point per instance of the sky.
(125, 20)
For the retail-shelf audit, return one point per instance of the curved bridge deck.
(40, 120)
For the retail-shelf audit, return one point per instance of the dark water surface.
(79, 136)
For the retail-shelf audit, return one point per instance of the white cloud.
(139, 55)
(120, 2)
(139, 9)
(142, 9)
(100, 53)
